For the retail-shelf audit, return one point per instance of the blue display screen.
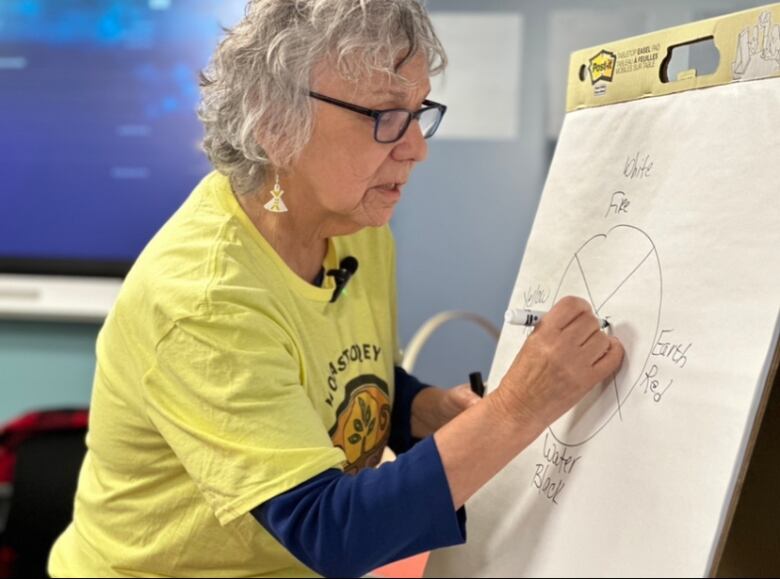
(99, 139)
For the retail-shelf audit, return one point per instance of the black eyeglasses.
(390, 125)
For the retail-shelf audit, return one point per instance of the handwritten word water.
(550, 476)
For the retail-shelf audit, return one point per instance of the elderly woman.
(242, 394)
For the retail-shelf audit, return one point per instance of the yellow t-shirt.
(223, 380)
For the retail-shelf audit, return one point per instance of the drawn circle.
(619, 273)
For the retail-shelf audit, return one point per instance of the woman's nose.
(412, 146)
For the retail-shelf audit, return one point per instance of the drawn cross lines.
(619, 273)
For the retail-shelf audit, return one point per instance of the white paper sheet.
(665, 214)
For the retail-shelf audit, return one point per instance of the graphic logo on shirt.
(354, 354)
(363, 422)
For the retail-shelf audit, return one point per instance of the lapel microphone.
(342, 275)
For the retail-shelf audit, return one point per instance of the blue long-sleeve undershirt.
(407, 387)
(345, 526)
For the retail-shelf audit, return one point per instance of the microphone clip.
(342, 275)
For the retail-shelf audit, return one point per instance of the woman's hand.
(434, 407)
(565, 356)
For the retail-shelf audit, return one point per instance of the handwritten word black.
(675, 352)
(634, 169)
(549, 476)
(618, 204)
(533, 297)
(542, 481)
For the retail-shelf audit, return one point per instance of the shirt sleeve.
(225, 393)
(345, 526)
(407, 387)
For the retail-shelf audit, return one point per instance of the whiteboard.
(664, 213)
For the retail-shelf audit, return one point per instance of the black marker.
(477, 386)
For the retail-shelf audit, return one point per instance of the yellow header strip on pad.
(631, 69)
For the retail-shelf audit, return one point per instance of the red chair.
(40, 458)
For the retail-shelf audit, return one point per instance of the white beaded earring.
(276, 205)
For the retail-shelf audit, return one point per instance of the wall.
(460, 230)
(45, 366)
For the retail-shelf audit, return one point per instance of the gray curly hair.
(254, 90)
